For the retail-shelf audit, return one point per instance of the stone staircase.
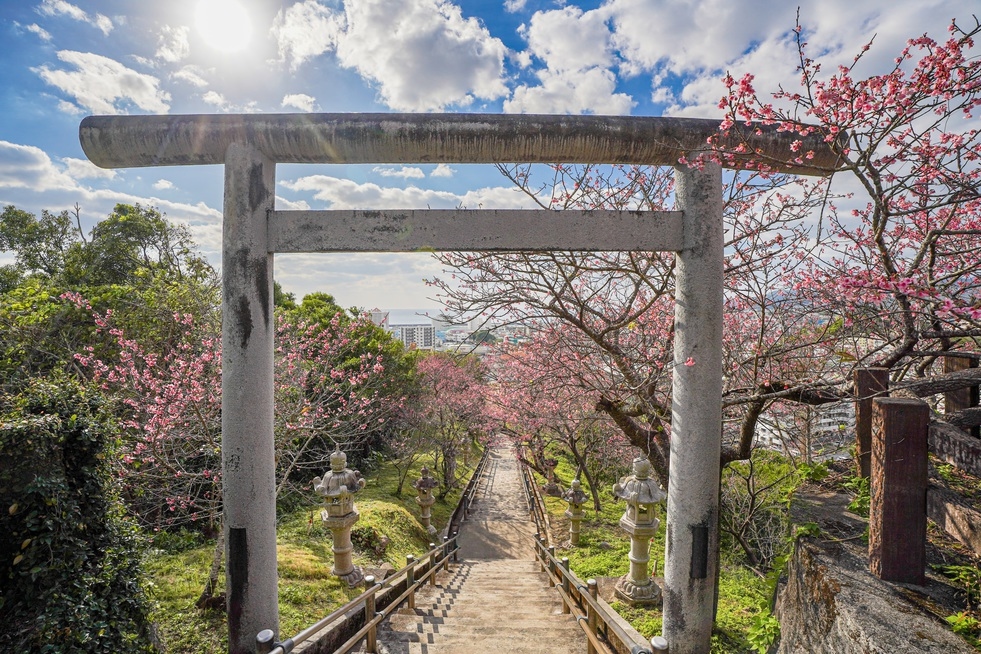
(501, 606)
(496, 599)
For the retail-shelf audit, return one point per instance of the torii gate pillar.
(691, 560)
(247, 405)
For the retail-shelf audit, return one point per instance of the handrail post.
(410, 580)
(551, 566)
(371, 644)
(540, 552)
(432, 564)
(591, 614)
(265, 641)
(567, 598)
(446, 553)
(456, 547)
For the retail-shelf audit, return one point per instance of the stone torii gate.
(250, 146)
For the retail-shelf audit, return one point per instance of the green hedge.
(69, 562)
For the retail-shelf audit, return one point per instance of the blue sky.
(64, 60)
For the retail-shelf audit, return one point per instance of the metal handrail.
(602, 631)
(438, 558)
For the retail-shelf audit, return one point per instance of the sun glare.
(224, 24)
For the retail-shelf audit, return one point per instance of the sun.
(223, 24)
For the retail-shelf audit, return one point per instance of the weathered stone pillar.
(897, 512)
(642, 495)
(575, 496)
(338, 488)
(247, 450)
(869, 383)
(424, 487)
(692, 537)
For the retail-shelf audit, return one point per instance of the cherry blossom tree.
(811, 290)
(452, 412)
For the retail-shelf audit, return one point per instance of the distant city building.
(380, 318)
(419, 336)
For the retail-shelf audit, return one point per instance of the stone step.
(402, 622)
(503, 642)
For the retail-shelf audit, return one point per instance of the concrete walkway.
(495, 599)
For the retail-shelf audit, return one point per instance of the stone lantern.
(338, 488)
(576, 497)
(642, 495)
(424, 487)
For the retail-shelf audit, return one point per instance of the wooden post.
(591, 614)
(869, 382)
(965, 398)
(371, 645)
(410, 580)
(551, 567)
(432, 564)
(565, 585)
(897, 514)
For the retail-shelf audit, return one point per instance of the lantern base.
(629, 591)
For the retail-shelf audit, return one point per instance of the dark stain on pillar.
(260, 274)
(258, 193)
(243, 318)
(238, 576)
(699, 550)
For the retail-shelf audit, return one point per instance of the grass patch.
(307, 589)
(602, 552)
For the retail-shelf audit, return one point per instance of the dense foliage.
(69, 558)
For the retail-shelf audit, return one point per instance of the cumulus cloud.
(29, 167)
(215, 98)
(514, 6)
(304, 31)
(576, 50)
(405, 172)
(163, 184)
(422, 54)
(85, 169)
(100, 84)
(442, 170)
(173, 45)
(192, 75)
(300, 101)
(62, 8)
(586, 91)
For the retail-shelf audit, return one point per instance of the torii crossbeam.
(250, 146)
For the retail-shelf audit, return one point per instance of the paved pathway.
(495, 599)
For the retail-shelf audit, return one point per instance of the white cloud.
(514, 6)
(42, 33)
(585, 91)
(85, 169)
(62, 8)
(338, 193)
(405, 172)
(423, 54)
(568, 39)
(301, 101)
(192, 75)
(100, 83)
(575, 47)
(173, 45)
(305, 30)
(70, 108)
(29, 167)
(163, 184)
(442, 170)
(282, 204)
(215, 98)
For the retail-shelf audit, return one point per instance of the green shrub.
(69, 562)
